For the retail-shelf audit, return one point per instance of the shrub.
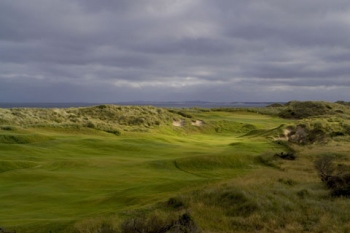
(175, 203)
(325, 167)
(336, 178)
(8, 128)
(286, 156)
(90, 125)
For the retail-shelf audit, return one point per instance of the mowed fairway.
(51, 178)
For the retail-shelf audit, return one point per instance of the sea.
(184, 104)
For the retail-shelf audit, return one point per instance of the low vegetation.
(335, 177)
(126, 169)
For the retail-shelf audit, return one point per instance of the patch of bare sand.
(197, 123)
(285, 137)
(179, 123)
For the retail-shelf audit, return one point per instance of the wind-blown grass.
(64, 171)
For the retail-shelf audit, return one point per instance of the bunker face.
(179, 123)
(197, 123)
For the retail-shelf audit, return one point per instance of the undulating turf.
(61, 177)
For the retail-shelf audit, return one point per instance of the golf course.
(111, 168)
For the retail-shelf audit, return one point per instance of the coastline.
(184, 104)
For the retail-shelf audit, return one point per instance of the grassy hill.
(116, 168)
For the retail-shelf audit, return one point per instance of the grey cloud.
(170, 50)
(308, 71)
(188, 46)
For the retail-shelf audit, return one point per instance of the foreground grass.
(61, 178)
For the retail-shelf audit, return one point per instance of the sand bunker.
(286, 132)
(285, 136)
(197, 123)
(179, 123)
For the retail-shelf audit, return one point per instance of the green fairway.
(52, 177)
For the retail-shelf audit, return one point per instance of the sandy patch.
(197, 123)
(286, 132)
(179, 123)
(285, 136)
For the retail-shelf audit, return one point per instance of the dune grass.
(78, 177)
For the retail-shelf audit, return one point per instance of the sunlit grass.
(60, 177)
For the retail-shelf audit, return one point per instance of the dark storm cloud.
(120, 50)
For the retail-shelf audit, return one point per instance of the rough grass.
(102, 117)
(73, 176)
(300, 110)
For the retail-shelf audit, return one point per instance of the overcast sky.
(174, 50)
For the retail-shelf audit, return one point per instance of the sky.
(109, 51)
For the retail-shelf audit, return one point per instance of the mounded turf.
(58, 176)
(53, 176)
